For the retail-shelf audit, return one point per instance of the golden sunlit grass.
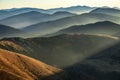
(23, 67)
(8, 43)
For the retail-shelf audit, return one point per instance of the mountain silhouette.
(33, 17)
(74, 9)
(16, 11)
(109, 11)
(22, 20)
(7, 31)
(49, 27)
(105, 28)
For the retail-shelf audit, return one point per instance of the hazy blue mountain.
(33, 17)
(44, 28)
(105, 28)
(73, 9)
(22, 20)
(110, 11)
(53, 50)
(16, 11)
(4, 14)
(62, 13)
(6, 31)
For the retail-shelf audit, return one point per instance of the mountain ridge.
(33, 17)
(44, 28)
(105, 28)
(109, 11)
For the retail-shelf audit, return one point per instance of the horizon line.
(60, 7)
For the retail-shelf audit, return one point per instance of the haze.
(46, 4)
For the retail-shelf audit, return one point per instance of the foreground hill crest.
(19, 67)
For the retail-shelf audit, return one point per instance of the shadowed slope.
(74, 46)
(104, 65)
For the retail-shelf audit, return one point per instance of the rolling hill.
(53, 50)
(105, 28)
(44, 28)
(14, 66)
(6, 31)
(32, 17)
(109, 11)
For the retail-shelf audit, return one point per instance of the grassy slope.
(19, 67)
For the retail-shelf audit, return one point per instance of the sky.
(46, 4)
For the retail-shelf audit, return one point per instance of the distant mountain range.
(16, 11)
(33, 17)
(109, 11)
(105, 28)
(36, 23)
(49, 27)
(74, 46)
(74, 9)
